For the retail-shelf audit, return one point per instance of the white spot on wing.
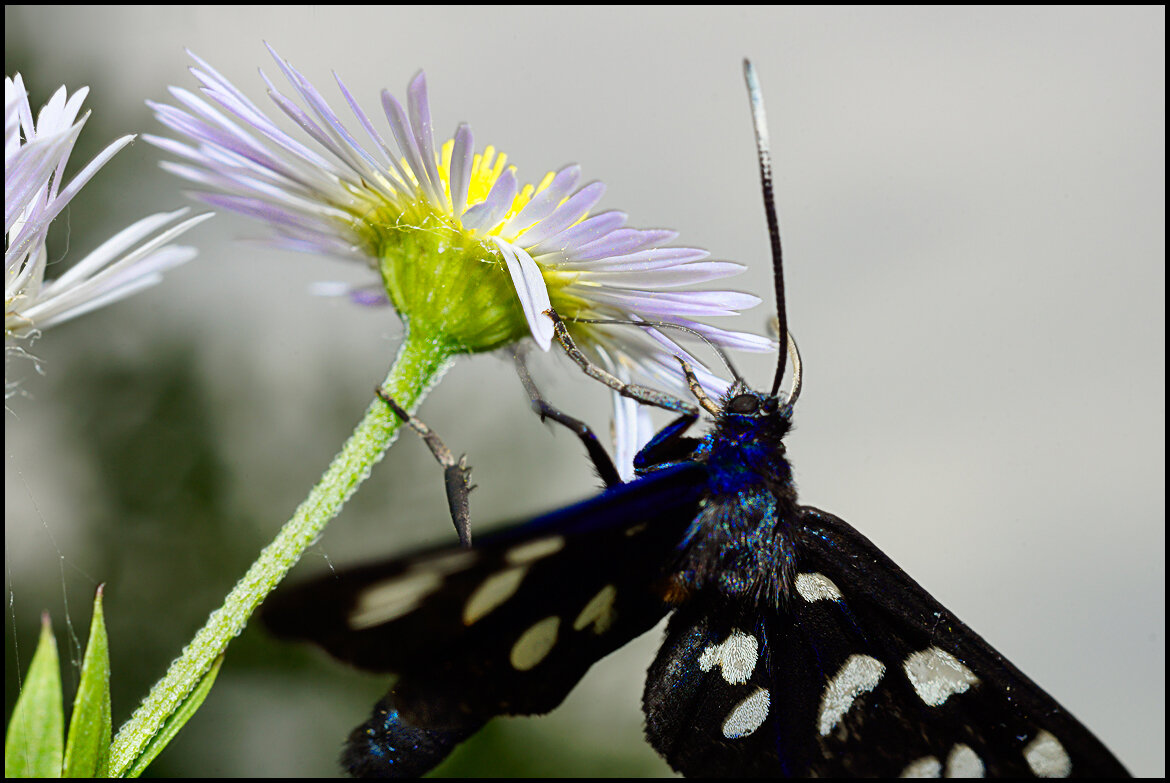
(1047, 757)
(817, 587)
(598, 612)
(964, 763)
(534, 550)
(925, 767)
(385, 601)
(936, 675)
(860, 674)
(748, 715)
(736, 657)
(492, 592)
(535, 644)
(447, 562)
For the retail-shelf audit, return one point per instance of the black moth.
(795, 648)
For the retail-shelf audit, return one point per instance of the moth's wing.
(968, 701)
(511, 625)
(709, 702)
(387, 746)
(865, 674)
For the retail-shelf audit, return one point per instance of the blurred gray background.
(972, 203)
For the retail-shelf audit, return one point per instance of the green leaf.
(32, 748)
(87, 753)
(176, 721)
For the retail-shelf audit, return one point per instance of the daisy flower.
(35, 154)
(468, 256)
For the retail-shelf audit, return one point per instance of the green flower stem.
(421, 362)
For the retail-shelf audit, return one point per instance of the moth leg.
(643, 394)
(456, 474)
(597, 453)
(669, 445)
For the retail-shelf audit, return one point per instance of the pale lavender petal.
(31, 171)
(307, 93)
(586, 231)
(462, 155)
(369, 297)
(654, 258)
(685, 303)
(306, 123)
(117, 244)
(220, 135)
(118, 268)
(16, 104)
(660, 335)
(62, 311)
(148, 260)
(69, 191)
(486, 214)
(621, 242)
(217, 81)
(277, 199)
(404, 135)
(420, 118)
(333, 134)
(669, 277)
(239, 106)
(531, 289)
(666, 369)
(544, 202)
(568, 213)
(397, 177)
(366, 295)
(673, 349)
(727, 338)
(321, 245)
(256, 208)
(364, 120)
(30, 166)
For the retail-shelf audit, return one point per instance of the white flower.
(464, 252)
(35, 154)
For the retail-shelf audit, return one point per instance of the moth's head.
(746, 410)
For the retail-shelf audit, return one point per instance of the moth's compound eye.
(744, 403)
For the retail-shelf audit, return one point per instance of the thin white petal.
(531, 289)
(632, 429)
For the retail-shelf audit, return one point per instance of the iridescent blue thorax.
(739, 543)
(745, 447)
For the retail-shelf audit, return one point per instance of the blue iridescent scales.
(795, 647)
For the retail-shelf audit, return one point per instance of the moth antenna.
(794, 355)
(761, 125)
(797, 370)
